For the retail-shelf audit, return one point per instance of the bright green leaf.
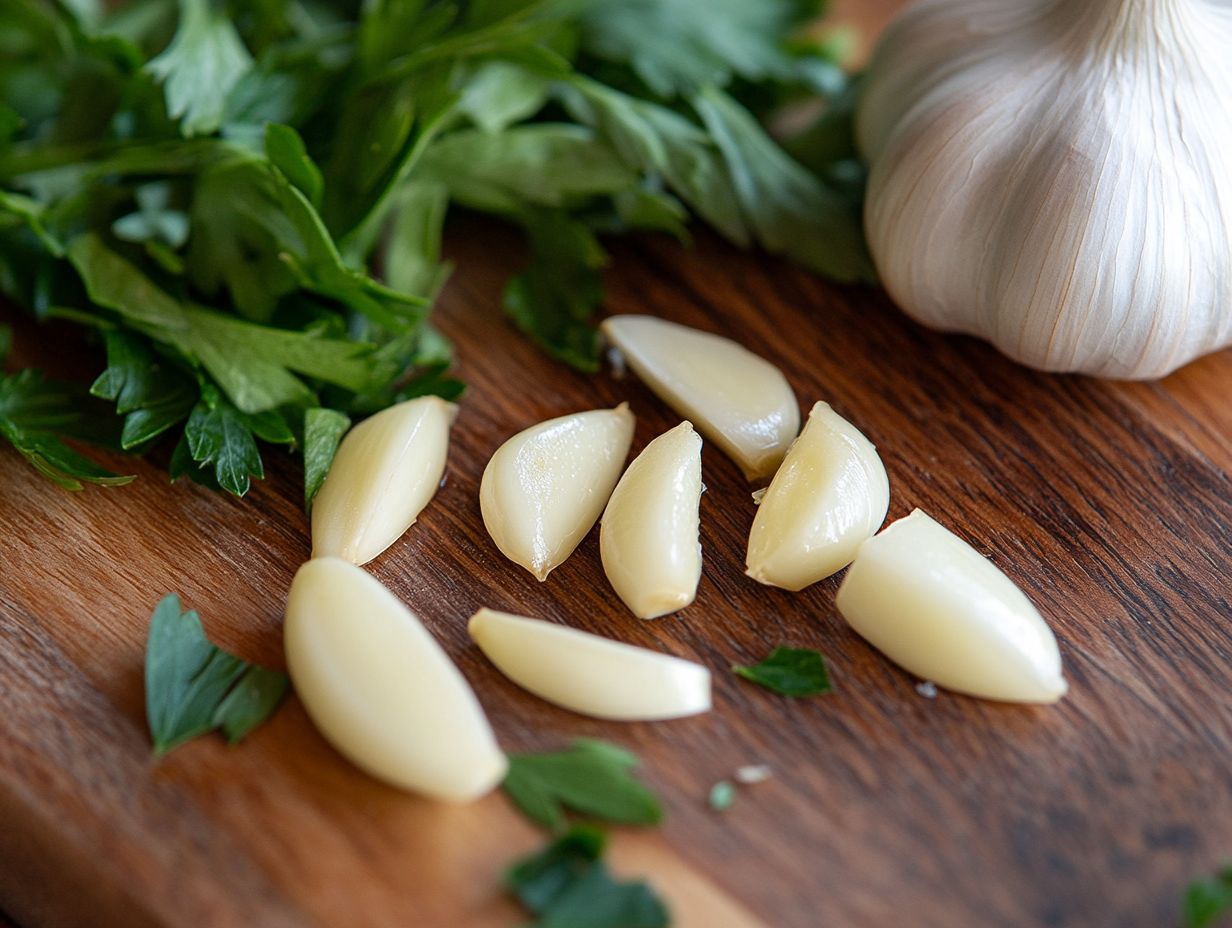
(790, 672)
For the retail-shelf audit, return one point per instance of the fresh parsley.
(592, 778)
(567, 885)
(790, 672)
(248, 203)
(193, 687)
(1206, 900)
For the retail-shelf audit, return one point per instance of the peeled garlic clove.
(935, 606)
(588, 673)
(544, 488)
(386, 470)
(648, 538)
(381, 690)
(739, 401)
(830, 495)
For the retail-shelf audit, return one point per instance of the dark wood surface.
(1109, 503)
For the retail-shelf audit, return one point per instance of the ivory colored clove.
(941, 610)
(739, 401)
(588, 673)
(830, 494)
(648, 537)
(545, 487)
(381, 690)
(386, 470)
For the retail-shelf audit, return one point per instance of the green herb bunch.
(211, 188)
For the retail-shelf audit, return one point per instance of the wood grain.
(1109, 503)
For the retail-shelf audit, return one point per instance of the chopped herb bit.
(722, 795)
(567, 885)
(591, 778)
(790, 672)
(193, 687)
(1206, 900)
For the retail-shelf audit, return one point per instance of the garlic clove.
(830, 494)
(938, 608)
(380, 688)
(545, 487)
(648, 538)
(739, 401)
(588, 673)
(386, 470)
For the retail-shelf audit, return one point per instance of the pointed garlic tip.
(738, 400)
(545, 487)
(1052, 177)
(381, 690)
(938, 608)
(830, 495)
(386, 470)
(648, 537)
(588, 673)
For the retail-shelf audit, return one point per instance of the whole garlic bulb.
(1056, 176)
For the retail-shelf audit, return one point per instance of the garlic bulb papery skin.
(545, 487)
(381, 690)
(738, 400)
(386, 470)
(648, 537)
(1053, 176)
(588, 673)
(831, 494)
(938, 608)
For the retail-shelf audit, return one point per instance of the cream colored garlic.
(648, 537)
(830, 495)
(386, 470)
(381, 690)
(1052, 175)
(544, 488)
(935, 606)
(738, 400)
(588, 673)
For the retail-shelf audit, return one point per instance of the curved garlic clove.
(935, 606)
(588, 673)
(544, 488)
(381, 690)
(830, 495)
(648, 537)
(739, 401)
(386, 470)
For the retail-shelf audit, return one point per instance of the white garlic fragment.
(380, 688)
(545, 487)
(938, 608)
(648, 537)
(738, 400)
(588, 673)
(1052, 176)
(830, 494)
(386, 470)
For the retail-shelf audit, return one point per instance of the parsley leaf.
(36, 414)
(149, 392)
(193, 687)
(323, 431)
(567, 885)
(1206, 900)
(591, 778)
(790, 672)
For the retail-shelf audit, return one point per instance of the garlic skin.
(935, 606)
(1052, 176)
(648, 537)
(545, 487)
(381, 690)
(386, 470)
(740, 401)
(830, 494)
(588, 673)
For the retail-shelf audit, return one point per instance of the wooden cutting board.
(1109, 504)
